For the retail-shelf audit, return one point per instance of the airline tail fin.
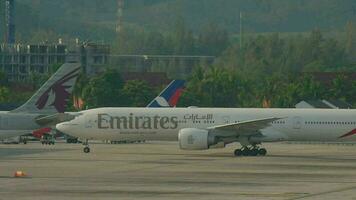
(169, 96)
(53, 95)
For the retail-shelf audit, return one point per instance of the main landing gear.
(86, 146)
(253, 151)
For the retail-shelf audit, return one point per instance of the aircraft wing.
(249, 127)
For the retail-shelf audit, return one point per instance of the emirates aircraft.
(204, 128)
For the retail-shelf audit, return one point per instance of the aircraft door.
(297, 123)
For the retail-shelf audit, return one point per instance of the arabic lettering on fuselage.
(195, 117)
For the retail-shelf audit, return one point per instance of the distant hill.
(96, 19)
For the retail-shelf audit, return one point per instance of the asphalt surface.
(158, 170)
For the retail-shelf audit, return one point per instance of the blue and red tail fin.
(169, 96)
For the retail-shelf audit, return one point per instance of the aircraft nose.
(63, 127)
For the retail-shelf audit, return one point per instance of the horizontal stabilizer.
(52, 120)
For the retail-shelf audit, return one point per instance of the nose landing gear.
(86, 147)
(253, 151)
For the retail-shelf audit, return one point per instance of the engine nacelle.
(195, 139)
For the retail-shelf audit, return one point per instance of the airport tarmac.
(159, 170)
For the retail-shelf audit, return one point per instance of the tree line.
(218, 87)
(271, 70)
(266, 68)
(206, 87)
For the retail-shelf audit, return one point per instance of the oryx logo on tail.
(58, 94)
(53, 96)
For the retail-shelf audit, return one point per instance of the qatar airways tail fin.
(169, 96)
(54, 94)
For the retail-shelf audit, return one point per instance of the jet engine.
(195, 139)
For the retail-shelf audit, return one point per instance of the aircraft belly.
(304, 135)
(168, 135)
(322, 134)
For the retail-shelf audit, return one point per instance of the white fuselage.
(16, 124)
(165, 123)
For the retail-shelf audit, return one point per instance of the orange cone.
(19, 174)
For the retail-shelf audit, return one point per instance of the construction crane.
(10, 21)
(120, 10)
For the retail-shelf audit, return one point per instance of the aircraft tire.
(246, 152)
(238, 152)
(86, 149)
(254, 152)
(262, 151)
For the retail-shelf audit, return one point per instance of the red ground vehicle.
(45, 136)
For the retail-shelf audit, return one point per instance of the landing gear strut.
(86, 146)
(252, 151)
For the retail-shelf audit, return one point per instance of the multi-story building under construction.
(18, 61)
